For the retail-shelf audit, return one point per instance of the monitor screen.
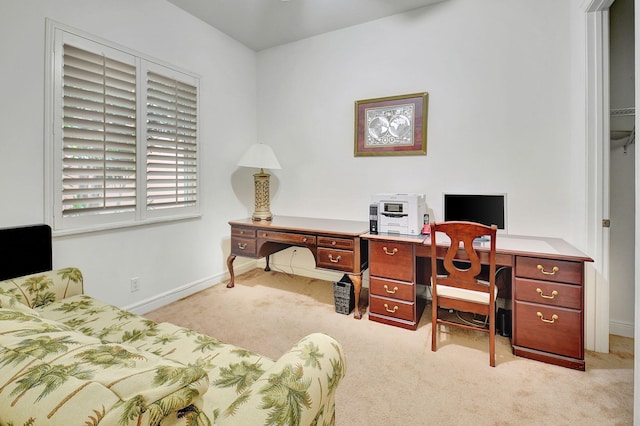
(488, 209)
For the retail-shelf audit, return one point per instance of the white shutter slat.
(158, 129)
(98, 191)
(119, 82)
(88, 187)
(112, 116)
(114, 143)
(167, 145)
(92, 123)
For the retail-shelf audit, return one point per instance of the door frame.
(597, 170)
(597, 294)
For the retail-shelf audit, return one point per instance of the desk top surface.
(505, 244)
(350, 228)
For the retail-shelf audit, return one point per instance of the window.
(122, 136)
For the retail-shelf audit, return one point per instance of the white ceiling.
(260, 24)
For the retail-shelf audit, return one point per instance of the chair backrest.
(462, 235)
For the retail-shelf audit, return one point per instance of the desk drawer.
(392, 308)
(341, 260)
(339, 243)
(548, 293)
(286, 237)
(536, 327)
(243, 246)
(549, 269)
(390, 259)
(394, 289)
(243, 232)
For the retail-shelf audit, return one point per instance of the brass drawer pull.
(304, 240)
(391, 291)
(393, 311)
(553, 319)
(333, 243)
(242, 246)
(336, 260)
(554, 293)
(390, 253)
(553, 271)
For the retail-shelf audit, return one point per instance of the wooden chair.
(460, 288)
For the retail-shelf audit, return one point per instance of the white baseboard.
(621, 329)
(160, 300)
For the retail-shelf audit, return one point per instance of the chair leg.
(434, 324)
(492, 340)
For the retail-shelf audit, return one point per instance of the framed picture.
(396, 125)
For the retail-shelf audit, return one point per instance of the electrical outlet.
(135, 284)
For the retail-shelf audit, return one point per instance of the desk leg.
(267, 268)
(230, 260)
(357, 287)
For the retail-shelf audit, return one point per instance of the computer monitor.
(488, 209)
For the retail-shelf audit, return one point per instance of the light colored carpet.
(393, 378)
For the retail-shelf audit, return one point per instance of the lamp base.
(262, 209)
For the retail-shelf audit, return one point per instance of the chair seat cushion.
(464, 294)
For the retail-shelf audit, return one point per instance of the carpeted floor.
(393, 378)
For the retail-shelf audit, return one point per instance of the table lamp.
(260, 156)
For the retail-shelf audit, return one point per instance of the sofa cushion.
(224, 363)
(242, 383)
(50, 374)
(101, 320)
(231, 369)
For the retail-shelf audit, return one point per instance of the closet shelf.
(623, 111)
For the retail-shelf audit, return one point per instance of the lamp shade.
(260, 156)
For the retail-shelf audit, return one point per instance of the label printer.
(400, 213)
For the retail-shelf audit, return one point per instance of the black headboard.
(25, 250)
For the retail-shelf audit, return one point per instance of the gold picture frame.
(395, 125)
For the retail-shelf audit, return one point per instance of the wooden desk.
(547, 279)
(336, 244)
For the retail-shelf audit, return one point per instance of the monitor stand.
(482, 241)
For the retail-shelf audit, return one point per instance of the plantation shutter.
(171, 142)
(98, 135)
(122, 136)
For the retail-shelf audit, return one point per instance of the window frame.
(57, 35)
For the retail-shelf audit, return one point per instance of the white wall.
(165, 257)
(503, 79)
(506, 88)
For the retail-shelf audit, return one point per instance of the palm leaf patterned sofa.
(69, 359)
